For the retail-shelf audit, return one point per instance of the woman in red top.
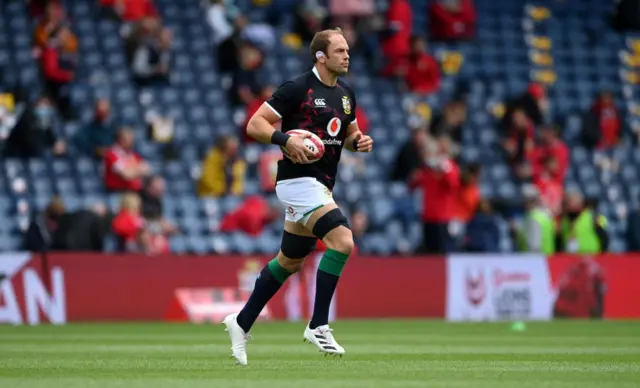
(129, 224)
(132, 232)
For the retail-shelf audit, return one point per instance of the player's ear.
(320, 57)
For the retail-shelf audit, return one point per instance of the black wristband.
(355, 144)
(279, 138)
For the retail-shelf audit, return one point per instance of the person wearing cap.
(538, 231)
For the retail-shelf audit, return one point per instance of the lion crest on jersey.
(346, 104)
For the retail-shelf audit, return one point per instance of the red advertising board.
(101, 287)
(620, 274)
(68, 287)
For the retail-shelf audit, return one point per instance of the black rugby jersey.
(306, 103)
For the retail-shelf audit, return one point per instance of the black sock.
(267, 285)
(326, 284)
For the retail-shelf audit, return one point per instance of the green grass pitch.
(379, 354)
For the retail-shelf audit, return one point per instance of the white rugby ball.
(313, 143)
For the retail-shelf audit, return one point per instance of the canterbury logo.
(319, 102)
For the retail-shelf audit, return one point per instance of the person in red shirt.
(127, 225)
(549, 185)
(551, 146)
(452, 19)
(397, 46)
(602, 125)
(131, 10)
(439, 180)
(468, 195)
(130, 229)
(59, 64)
(520, 139)
(250, 217)
(422, 71)
(124, 169)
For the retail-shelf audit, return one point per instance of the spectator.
(482, 233)
(84, 230)
(602, 123)
(534, 102)
(251, 216)
(34, 133)
(581, 231)
(130, 11)
(538, 230)
(128, 225)
(410, 158)
(142, 32)
(38, 237)
(223, 170)
(452, 19)
(59, 65)
(520, 139)
(439, 180)
(245, 85)
(451, 121)
(124, 169)
(550, 185)
(97, 136)
(252, 108)
(228, 51)
(152, 209)
(633, 231)
(422, 71)
(54, 18)
(550, 147)
(469, 194)
(152, 61)
(396, 36)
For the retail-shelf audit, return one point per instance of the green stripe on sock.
(333, 262)
(279, 273)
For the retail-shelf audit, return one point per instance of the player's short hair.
(320, 42)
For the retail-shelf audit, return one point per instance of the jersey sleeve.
(285, 99)
(353, 118)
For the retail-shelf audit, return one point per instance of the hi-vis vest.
(547, 232)
(580, 236)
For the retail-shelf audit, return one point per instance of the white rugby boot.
(238, 338)
(322, 338)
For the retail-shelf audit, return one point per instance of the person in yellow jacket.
(582, 230)
(223, 171)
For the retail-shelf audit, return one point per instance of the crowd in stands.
(454, 214)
